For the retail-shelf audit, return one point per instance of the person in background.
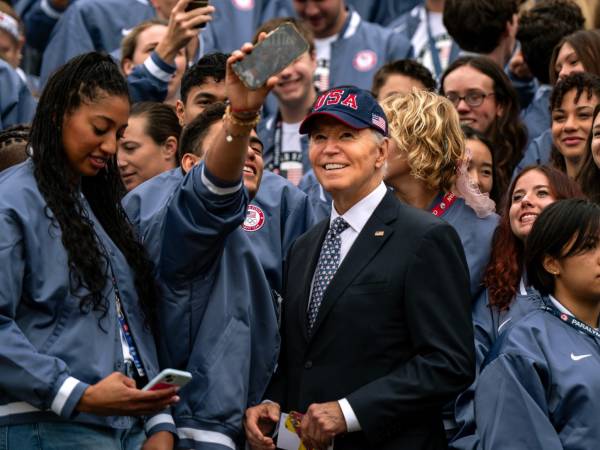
(426, 169)
(217, 316)
(572, 103)
(78, 301)
(578, 52)
(13, 146)
(481, 160)
(285, 150)
(382, 11)
(589, 175)
(424, 27)
(149, 143)
(349, 50)
(540, 29)
(202, 85)
(154, 60)
(487, 102)
(17, 105)
(506, 299)
(100, 25)
(540, 382)
(486, 27)
(401, 77)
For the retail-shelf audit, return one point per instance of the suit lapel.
(309, 255)
(372, 237)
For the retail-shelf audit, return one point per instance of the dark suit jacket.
(393, 334)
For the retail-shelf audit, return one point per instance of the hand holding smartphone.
(269, 57)
(194, 4)
(168, 378)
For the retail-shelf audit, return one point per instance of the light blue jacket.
(235, 22)
(218, 317)
(51, 351)
(488, 323)
(537, 116)
(39, 18)
(539, 388)
(17, 105)
(361, 49)
(382, 11)
(92, 25)
(538, 152)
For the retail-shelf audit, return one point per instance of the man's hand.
(117, 395)
(321, 423)
(259, 421)
(183, 28)
(163, 440)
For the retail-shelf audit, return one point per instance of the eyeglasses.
(473, 99)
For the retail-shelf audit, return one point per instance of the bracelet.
(230, 116)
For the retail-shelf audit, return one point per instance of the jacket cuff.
(49, 10)
(218, 186)
(158, 68)
(160, 422)
(203, 439)
(67, 397)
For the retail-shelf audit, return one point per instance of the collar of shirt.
(558, 305)
(357, 217)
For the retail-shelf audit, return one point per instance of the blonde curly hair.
(426, 128)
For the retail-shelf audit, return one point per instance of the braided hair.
(85, 79)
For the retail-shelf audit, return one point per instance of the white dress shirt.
(357, 217)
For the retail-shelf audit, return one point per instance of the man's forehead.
(209, 87)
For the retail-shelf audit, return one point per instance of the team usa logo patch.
(244, 5)
(365, 60)
(255, 219)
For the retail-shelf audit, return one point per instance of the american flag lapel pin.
(379, 233)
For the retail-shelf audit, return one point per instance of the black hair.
(584, 83)
(478, 25)
(507, 133)
(542, 28)
(193, 134)
(209, 66)
(589, 175)
(86, 79)
(471, 133)
(13, 145)
(406, 67)
(563, 229)
(161, 120)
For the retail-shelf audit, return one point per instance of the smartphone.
(277, 51)
(168, 378)
(193, 4)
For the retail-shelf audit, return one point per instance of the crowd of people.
(394, 243)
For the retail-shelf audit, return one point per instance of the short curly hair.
(426, 127)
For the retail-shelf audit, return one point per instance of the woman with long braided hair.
(78, 298)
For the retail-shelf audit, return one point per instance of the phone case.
(269, 57)
(168, 378)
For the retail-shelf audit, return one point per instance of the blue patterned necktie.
(329, 260)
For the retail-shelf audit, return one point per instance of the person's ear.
(127, 66)
(180, 110)
(170, 148)
(188, 161)
(382, 153)
(551, 265)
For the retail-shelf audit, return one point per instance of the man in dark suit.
(376, 324)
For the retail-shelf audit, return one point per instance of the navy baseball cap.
(350, 105)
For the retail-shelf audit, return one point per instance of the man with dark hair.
(540, 30)
(202, 85)
(401, 77)
(487, 27)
